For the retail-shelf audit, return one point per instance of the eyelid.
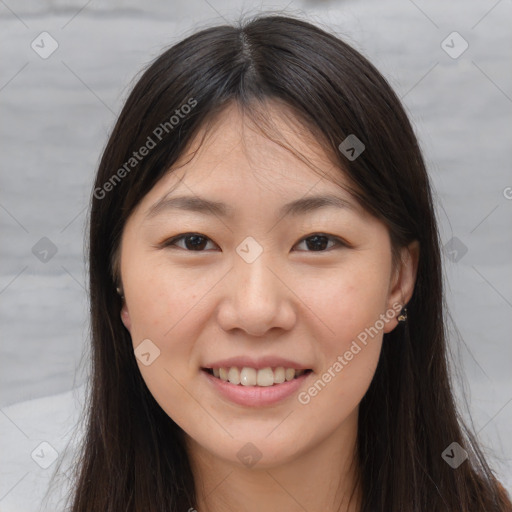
(171, 242)
(339, 242)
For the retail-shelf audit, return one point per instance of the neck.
(321, 478)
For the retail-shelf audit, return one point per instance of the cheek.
(347, 302)
(350, 308)
(162, 299)
(165, 307)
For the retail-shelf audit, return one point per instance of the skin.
(293, 301)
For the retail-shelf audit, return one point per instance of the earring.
(120, 292)
(402, 317)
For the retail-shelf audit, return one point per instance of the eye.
(192, 241)
(318, 242)
(196, 242)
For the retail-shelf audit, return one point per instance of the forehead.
(267, 152)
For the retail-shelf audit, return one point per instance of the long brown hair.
(133, 456)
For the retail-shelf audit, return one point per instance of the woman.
(266, 294)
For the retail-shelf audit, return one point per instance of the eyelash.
(171, 242)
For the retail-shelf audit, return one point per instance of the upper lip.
(257, 363)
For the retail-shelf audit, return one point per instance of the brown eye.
(191, 242)
(318, 242)
(196, 242)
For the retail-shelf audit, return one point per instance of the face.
(249, 286)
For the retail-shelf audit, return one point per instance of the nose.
(256, 299)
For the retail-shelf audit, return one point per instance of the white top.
(36, 436)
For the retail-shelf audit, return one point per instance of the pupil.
(198, 242)
(316, 242)
(320, 242)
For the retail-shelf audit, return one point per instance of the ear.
(125, 317)
(403, 281)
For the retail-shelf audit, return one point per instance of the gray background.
(56, 116)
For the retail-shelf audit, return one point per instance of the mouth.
(253, 377)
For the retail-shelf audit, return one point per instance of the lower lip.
(256, 396)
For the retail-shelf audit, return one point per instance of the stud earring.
(120, 292)
(402, 317)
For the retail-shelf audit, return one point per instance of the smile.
(253, 387)
(263, 377)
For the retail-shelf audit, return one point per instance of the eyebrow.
(197, 204)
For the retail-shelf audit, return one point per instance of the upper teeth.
(253, 377)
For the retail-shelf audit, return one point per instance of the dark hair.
(133, 457)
